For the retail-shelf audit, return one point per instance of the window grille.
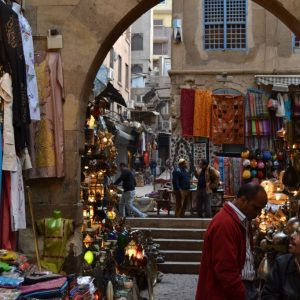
(119, 69)
(160, 49)
(296, 42)
(137, 68)
(137, 42)
(225, 24)
(158, 22)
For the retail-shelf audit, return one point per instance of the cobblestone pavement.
(175, 287)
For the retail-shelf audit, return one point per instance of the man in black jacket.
(283, 283)
(128, 184)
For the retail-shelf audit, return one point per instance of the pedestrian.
(283, 283)
(153, 165)
(181, 187)
(208, 182)
(227, 265)
(128, 184)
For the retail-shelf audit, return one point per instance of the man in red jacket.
(227, 270)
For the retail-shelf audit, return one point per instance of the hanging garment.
(12, 45)
(27, 42)
(55, 242)
(143, 142)
(1, 162)
(280, 112)
(9, 150)
(17, 208)
(46, 136)
(7, 238)
(202, 113)
(228, 119)
(287, 107)
(296, 105)
(187, 111)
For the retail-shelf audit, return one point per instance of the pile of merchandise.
(21, 280)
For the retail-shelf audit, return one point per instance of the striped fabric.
(278, 79)
(248, 272)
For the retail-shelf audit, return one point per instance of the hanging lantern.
(88, 241)
(131, 249)
(264, 268)
(89, 257)
(139, 252)
(111, 214)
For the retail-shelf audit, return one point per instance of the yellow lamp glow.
(130, 250)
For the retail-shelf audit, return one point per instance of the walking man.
(181, 187)
(208, 181)
(128, 184)
(227, 265)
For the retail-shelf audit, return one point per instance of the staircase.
(180, 239)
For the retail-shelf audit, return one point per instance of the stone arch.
(90, 28)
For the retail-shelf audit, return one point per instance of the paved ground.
(172, 286)
(175, 287)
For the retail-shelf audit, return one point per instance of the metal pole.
(33, 228)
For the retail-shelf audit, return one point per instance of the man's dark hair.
(204, 162)
(123, 165)
(249, 190)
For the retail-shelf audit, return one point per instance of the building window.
(136, 68)
(158, 22)
(127, 76)
(119, 109)
(296, 42)
(119, 69)
(225, 24)
(137, 42)
(160, 49)
(111, 58)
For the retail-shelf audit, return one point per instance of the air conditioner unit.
(166, 125)
(110, 74)
(130, 104)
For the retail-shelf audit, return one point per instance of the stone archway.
(90, 28)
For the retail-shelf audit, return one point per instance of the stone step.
(175, 233)
(181, 255)
(168, 222)
(179, 267)
(179, 244)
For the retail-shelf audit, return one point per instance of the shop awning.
(111, 93)
(278, 80)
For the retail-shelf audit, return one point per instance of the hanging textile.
(257, 120)
(202, 113)
(228, 119)
(187, 111)
(230, 173)
(55, 242)
(9, 150)
(17, 208)
(27, 42)
(12, 45)
(7, 238)
(46, 136)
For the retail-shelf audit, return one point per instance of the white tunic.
(17, 209)
(9, 150)
(32, 88)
